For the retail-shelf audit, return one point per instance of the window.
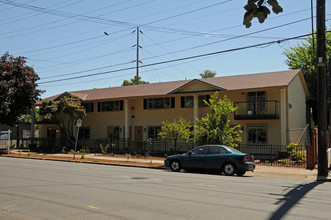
(51, 132)
(89, 106)
(84, 133)
(256, 102)
(200, 150)
(217, 150)
(201, 98)
(153, 131)
(257, 134)
(113, 132)
(159, 103)
(187, 101)
(110, 106)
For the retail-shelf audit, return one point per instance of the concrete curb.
(260, 171)
(88, 162)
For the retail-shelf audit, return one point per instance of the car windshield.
(234, 150)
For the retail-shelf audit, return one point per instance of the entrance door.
(139, 136)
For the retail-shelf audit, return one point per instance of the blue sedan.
(214, 157)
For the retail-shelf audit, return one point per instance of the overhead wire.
(275, 27)
(20, 17)
(179, 59)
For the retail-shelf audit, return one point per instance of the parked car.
(212, 157)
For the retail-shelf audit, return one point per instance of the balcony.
(256, 110)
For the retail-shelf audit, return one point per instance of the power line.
(180, 59)
(232, 38)
(215, 42)
(23, 17)
(188, 12)
(69, 15)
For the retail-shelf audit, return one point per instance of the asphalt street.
(37, 189)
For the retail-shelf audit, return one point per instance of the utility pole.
(321, 92)
(137, 61)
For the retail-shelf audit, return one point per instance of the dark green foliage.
(64, 113)
(18, 88)
(175, 131)
(303, 57)
(215, 127)
(133, 81)
(208, 74)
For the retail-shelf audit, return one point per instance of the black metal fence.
(270, 155)
(277, 155)
(116, 146)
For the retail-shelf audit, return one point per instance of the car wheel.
(175, 166)
(241, 173)
(229, 169)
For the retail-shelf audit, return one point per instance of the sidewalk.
(260, 171)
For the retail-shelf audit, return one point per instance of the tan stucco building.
(271, 107)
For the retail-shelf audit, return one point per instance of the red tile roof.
(237, 82)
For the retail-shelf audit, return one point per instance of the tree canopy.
(303, 56)
(208, 74)
(215, 127)
(259, 9)
(64, 113)
(18, 88)
(175, 131)
(133, 81)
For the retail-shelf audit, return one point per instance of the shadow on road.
(293, 197)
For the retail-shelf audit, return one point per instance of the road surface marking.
(93, 207)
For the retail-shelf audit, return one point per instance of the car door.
(196, 158)
(215, 157)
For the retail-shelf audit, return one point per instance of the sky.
(85, 44)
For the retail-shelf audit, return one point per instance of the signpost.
(78, 124)
(5, 135)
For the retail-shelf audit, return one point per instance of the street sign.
(79, 123)
(4, 137)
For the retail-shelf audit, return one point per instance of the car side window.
(214, 150)
(223, 150)
(217, 150)
(200, 151)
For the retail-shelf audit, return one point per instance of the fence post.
(271, 154)
(310, 157)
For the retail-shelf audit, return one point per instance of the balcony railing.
(256, 110)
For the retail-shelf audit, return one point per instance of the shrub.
(104, 149)
(64, 150)
(128, 156)
(296, 154)
(147, 156)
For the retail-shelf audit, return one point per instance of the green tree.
(175, 131)
(28, 118)
(215, 127)
(64, 113)
(259, 9)
(18, 88)
(208, 74)
(133, 81)
(303, 56)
